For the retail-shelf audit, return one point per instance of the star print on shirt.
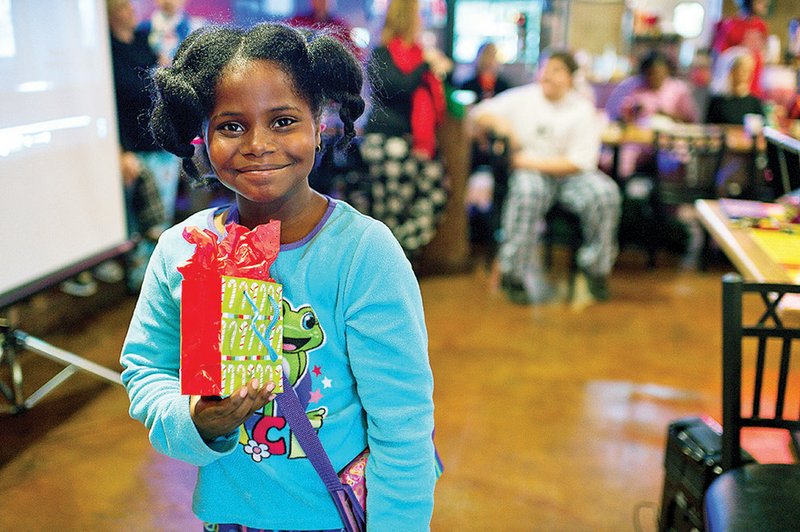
(315, 396)
(316, 371)
(326, 382)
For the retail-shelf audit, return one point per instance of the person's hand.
(630, 110)
(130, 166)
(215, 417)
(420, 154)
(440, 64)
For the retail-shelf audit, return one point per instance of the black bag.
(692, 460)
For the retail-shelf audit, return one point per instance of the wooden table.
(752, 262)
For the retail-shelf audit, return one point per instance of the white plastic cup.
(753, 123)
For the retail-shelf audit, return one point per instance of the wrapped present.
(231, 319)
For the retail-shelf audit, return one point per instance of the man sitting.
(555, 137)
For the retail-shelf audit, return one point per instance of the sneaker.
(515, 290)
(542, 292)
(597, 285)
(109, 272)
(83, 285)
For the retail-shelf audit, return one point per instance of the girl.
(731, 97)
(255, 98)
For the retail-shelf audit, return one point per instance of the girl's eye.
(231, 127)
(284, 121)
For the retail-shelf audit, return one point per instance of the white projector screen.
(61, 199)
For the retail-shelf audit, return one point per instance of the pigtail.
(176, 118)
(183, 93)
(339, 76)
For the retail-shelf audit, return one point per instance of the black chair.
(687, 160)
(755, 496)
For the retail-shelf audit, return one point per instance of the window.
(512, 25)
(687, 19)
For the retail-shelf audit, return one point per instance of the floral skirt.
(385, 180)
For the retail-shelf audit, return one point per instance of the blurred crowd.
(533, 146)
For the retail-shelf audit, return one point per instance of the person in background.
(651, 95)
(730, 88)
(746, 28)
(488, 175)
(167, 26)
(132, 59)
(255, 97)
(406, 188)
(653, 91)
(730, 101)
(320, 17)
(487, 80)
(555, 138)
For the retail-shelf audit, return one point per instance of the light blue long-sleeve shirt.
(368, 380)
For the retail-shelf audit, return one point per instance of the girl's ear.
(318, 135)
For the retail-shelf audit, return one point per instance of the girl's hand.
(216, 417)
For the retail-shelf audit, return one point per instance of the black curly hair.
(323, 71)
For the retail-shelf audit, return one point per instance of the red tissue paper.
(231, 319)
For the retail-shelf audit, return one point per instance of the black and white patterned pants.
(593, 196)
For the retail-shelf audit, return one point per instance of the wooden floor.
(547, 419)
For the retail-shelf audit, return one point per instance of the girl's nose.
(258, 142)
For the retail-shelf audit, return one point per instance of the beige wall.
(593, 25)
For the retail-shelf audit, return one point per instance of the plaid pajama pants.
(593, 196)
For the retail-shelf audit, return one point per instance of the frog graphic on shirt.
(301, 333)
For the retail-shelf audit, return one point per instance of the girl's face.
(742, 72)
(657, 75)
(261, 136)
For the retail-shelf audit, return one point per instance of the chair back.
(751, 311)
(687, 161)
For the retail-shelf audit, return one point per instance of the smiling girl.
(254, 98)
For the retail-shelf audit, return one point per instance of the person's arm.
(685, 107)
(491, 116)
(130, 167)
(387, 345)
(151, 360)
(554, 166)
